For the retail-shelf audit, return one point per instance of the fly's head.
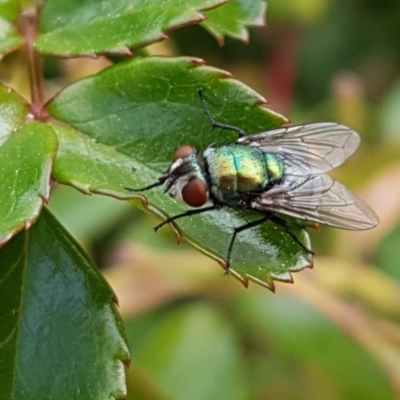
(184, 179)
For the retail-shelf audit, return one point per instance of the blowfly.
(272, 173)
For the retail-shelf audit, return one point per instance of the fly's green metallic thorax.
(235, 170)
(194, 167)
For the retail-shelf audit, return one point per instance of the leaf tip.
(122, 51)
(225, 74)
(144, 200)
(115, 299)
(84, 188)
(285, 277)
(198, 18)
(221, 40)
(262, 102)
(46, 197)
(245, 283)
(88, 55)
(27, 225)
(315, 226)
(191, 19)
(196, 62)
(268, 283)
(242, 279)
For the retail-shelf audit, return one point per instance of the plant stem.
(28, 25)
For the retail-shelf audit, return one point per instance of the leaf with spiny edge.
(84, 27)
(122, 126)
(233, 19)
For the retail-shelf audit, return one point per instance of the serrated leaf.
(94, 167)
(234, 18)
(26, 159)
(80, 27)
(9, 38)
(147, 107)
(61, 336)
(88, 165)
(140, 112)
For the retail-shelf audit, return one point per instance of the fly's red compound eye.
(194, 193)
(183, 152)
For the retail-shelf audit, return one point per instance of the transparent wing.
(317, 198)
(307, 149)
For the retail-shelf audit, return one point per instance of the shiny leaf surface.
(61, 336)
(84, 26)
(234, 18)
(147, 107)
(26, 161)
(13, 112)
(139, 113)
(9, 38)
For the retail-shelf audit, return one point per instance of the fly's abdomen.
(235, 170)
(275, 168)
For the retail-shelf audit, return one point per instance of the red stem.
(28, 26)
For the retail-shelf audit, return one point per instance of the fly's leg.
(216, 124)
(185, 214)
(283, 224)
(153, 185)
(161, 180)
(241, 229)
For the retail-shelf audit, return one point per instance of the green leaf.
(163, 342)
(13, 112)
(26, 161)
(61, 336)
(79, 27)
(9, 38)
(141, 112)
(234, 18)
(9, 9)
(147, 107)
(90, 166)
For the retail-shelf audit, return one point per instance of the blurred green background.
(335, 334)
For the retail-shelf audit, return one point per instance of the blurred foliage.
(360, 35)
(335, 334)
